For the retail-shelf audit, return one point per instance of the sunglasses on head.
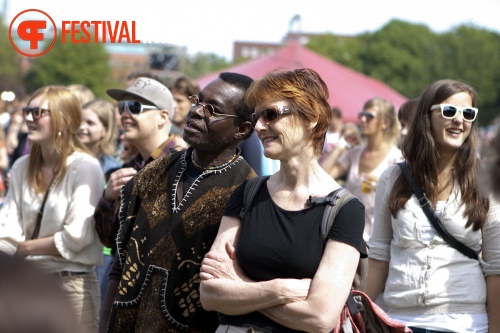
(449, 111)
(269, 114)
(134, 107)
(36, 112)
(368, 115)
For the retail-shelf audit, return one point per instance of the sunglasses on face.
(134, 107)
(208, 109)
(368, 115)
(449, 111)
(270, 114)
(36, 112)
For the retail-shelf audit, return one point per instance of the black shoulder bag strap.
(251, 188)
(39, 216)
(436, 223)
(333, 202)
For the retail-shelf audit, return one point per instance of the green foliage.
(472, 55)
(344, 50)
(203, 63)
(408, 57)
(400, 54)
(69, 63)
(10, 72)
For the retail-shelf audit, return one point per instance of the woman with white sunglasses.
(364, 164)
(430, 285)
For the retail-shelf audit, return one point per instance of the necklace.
(213, 167)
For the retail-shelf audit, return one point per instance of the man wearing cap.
(146, 108)
(170, 215)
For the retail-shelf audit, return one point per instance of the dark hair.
(31, 300)
(495, 165)
(185, 86)
(421, 151)
(406, 110)
(242, 82)
(307, 93)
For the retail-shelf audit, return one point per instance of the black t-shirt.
(276, 243)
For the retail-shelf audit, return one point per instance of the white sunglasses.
(449, 111)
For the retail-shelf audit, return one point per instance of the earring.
(59, 134)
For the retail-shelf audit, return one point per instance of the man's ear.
(243, 130)
(163, 117)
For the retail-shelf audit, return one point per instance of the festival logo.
(36, 32)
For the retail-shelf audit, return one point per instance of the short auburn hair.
(307, 94)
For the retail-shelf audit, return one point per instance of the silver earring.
(59, 134)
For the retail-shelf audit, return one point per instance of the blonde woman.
(364, 164)
(98, 131)
(47, 217)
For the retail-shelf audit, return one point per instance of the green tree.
(402, 55)
(69, 63)
(345, 50)
(409, 56)
(203, 63)
(472, 55)
(10, 69)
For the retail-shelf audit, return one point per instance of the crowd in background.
(82, 150)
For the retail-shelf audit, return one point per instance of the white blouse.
(68, 214)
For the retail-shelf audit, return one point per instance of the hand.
(222, 266)
(116, 180)
(369, 183)
(22, 250)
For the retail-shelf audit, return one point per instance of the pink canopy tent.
(349, 90)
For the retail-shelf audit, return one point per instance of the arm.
(377, 276)
(11, 231)
(337, 171)
(41, 246)
(4, 158)
(341, 165)
(228, 291)
(493, 302)
(491, 263)
(77, 240)
(339, 149)
(381, 238)
(327, 296)
(105, 215)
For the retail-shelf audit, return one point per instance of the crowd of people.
(134, 214)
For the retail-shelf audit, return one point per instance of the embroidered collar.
(176, 204)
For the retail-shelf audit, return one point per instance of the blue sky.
(213, 26)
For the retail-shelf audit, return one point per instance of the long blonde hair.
(105, 111)
(66, 116)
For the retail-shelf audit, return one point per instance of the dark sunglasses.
(208, 108)
(449, 111)
(36, 112)
(270, 114)
(134, 107)
(368, 115)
